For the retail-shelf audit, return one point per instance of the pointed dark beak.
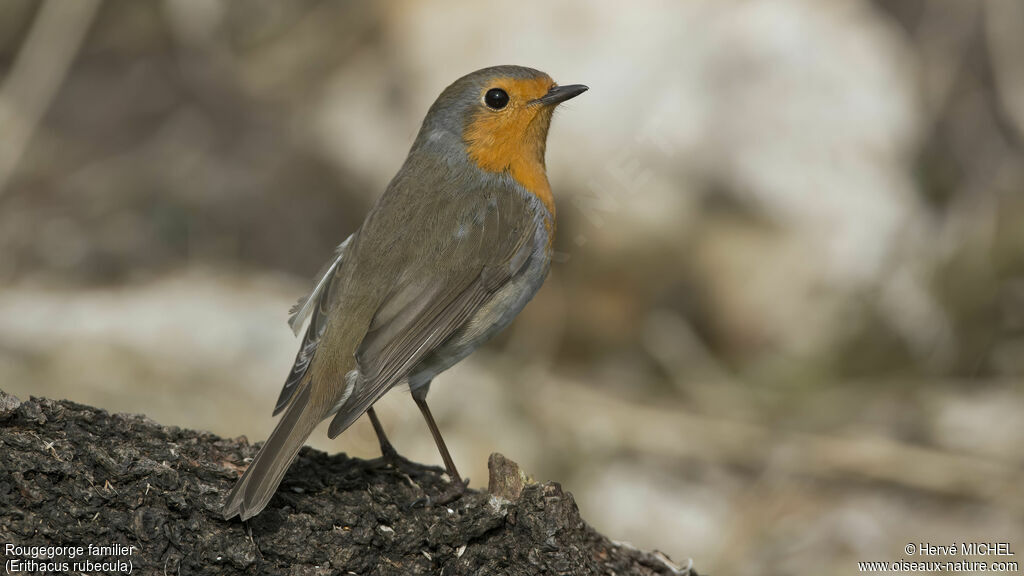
(560, 94)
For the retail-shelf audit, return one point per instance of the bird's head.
(500, 116)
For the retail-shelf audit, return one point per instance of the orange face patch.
(513, 139)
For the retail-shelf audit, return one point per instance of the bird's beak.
(559, 94)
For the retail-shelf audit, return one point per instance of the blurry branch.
(1004, 32)
(671, 340)
(38, 71)
(671, 434)
(943, 35)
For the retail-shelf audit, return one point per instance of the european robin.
(452, 251)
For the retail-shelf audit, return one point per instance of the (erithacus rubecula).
(452, 251)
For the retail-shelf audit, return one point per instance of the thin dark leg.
(449, 464)
(386, 449)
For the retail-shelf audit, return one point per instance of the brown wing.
(440, 290)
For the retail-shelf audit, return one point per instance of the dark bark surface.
(72, 475)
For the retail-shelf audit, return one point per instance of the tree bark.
(121, 491)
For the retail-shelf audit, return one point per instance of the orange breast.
(513, 140)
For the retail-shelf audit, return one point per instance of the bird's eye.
(496, 98)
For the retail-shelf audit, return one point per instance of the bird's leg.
(449, 464)
(389, 456)
(458, 485)
(387, 451)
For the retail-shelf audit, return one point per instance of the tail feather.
(259, 482)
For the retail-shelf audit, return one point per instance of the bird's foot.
(452, 492)
(390, 458)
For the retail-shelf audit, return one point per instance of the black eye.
(496, 98)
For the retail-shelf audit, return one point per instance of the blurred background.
(785, 330)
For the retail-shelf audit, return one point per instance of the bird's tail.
(255, 488)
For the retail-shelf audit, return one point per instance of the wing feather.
(398, 357)
(300, 310)
(318, 300)
(419, 317)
